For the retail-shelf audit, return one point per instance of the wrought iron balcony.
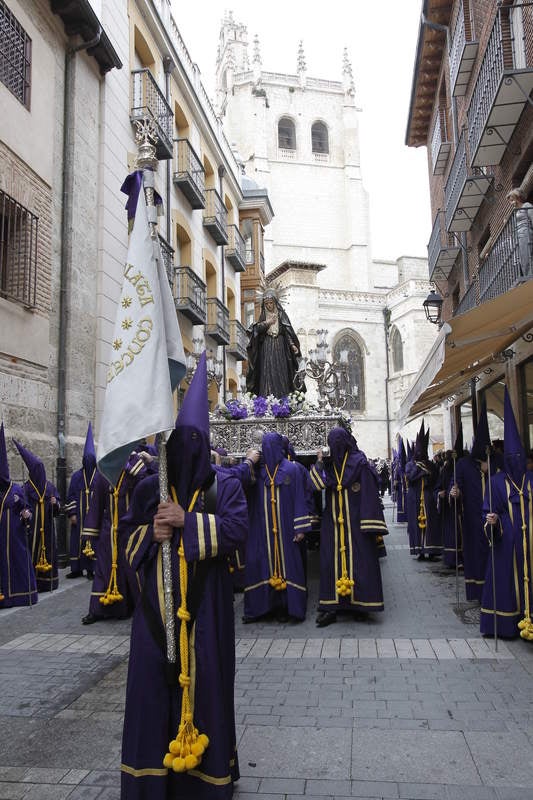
(217, 325)
(216, 216)
(190, 295)
(443, 250)
(237, 340)
(499, 271)
(502, 88)
(440, 143)
(167, 253)
(189, 174)
(236, 249)
(463, 50)
(149, 102)
(465, 190)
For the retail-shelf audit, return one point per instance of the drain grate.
(468, 614)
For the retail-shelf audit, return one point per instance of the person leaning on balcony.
(524, 230)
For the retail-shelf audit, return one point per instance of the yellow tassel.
(88, 549)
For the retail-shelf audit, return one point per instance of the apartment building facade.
(471, 107)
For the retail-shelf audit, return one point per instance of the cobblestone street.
(409, 704)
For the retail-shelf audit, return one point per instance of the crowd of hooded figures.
(243, 526)
(474, 510)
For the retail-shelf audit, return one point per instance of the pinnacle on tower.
(301, 58)
(347, 73)
(257, 52)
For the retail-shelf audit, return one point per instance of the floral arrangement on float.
(257, 407)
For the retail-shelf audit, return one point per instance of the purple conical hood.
(459, 445)
(194, 413)
(514, 454)
(482, 436)
(273, 450)
(36, 470)
(89, 453)
(4, 464)
(402, 453)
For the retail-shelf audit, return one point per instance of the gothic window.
(286, 134)
(319, 138)
(396, 346)
(15, 56)
(355, 371)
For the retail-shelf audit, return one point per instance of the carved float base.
(306, 433)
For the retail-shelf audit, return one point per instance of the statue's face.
(270, 304)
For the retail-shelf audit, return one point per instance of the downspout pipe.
(168, 65)
(64, 283)
(386, 326)
(221, 173)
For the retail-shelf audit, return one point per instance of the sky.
(381, 39)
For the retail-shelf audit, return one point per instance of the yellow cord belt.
(112, 594)
(88, 549)
(186, 750)
(276, 580)
(42, 564)
(525, 625)
(344, 584)
(422, 518)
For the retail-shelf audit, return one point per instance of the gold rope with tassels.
(112, 594)
(344, 584)
(422, 518)
(276, 580)
(525, 625)
(186, 750)
(42, 564)
(88, 549)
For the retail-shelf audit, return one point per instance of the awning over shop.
(466, 344)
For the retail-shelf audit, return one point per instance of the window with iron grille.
(15, 56)
(18, 252)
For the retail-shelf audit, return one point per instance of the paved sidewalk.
(411, 704)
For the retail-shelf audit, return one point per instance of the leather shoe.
(325, 618)
(90, 619)
(74, 574)
(90, 575)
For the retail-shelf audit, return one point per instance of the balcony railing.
(503, 266)
(463, 50)
(190, 295)
(149, 102)
(237, 340)
(465, 190)
(217, 326)
(167, 253)
(502, 88)
(443, 250)
(250, 256)
(216, 216)
(236, 249)
(189, 174)
(440, 143)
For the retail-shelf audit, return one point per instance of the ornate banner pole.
(146, 138)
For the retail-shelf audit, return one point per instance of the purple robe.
(508, 555)
(449, 517)
(79, 495)
(153, 706)
(18, 585)
(471, 481)
(237, 560)
(43, 513)
(98, 526)
(363, 524)
(422, 539)
(291, 491)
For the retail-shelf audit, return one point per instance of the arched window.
(396, 346)
(286, 134)
(353, 356)
(319, 138)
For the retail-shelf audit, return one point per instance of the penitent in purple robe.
(291, 509)
(18, 586)
(448, 514)
(471, 482)
(237, 561)
(79, 495)
(106, 504)
(508, 554)
(43, 512)
(425, 537)
(152, 705)
(363, 522)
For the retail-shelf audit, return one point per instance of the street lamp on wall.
(433, 307)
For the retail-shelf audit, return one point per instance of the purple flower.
(260, 406)
(281, 409)
(236, 409)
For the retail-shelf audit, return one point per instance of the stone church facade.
(298, 137)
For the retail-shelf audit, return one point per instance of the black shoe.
(247, 620)
(90, 575)
(282, 616)
(325, 618)
(90, 619)
(74, 574)
(421, 557)
(360, 616)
